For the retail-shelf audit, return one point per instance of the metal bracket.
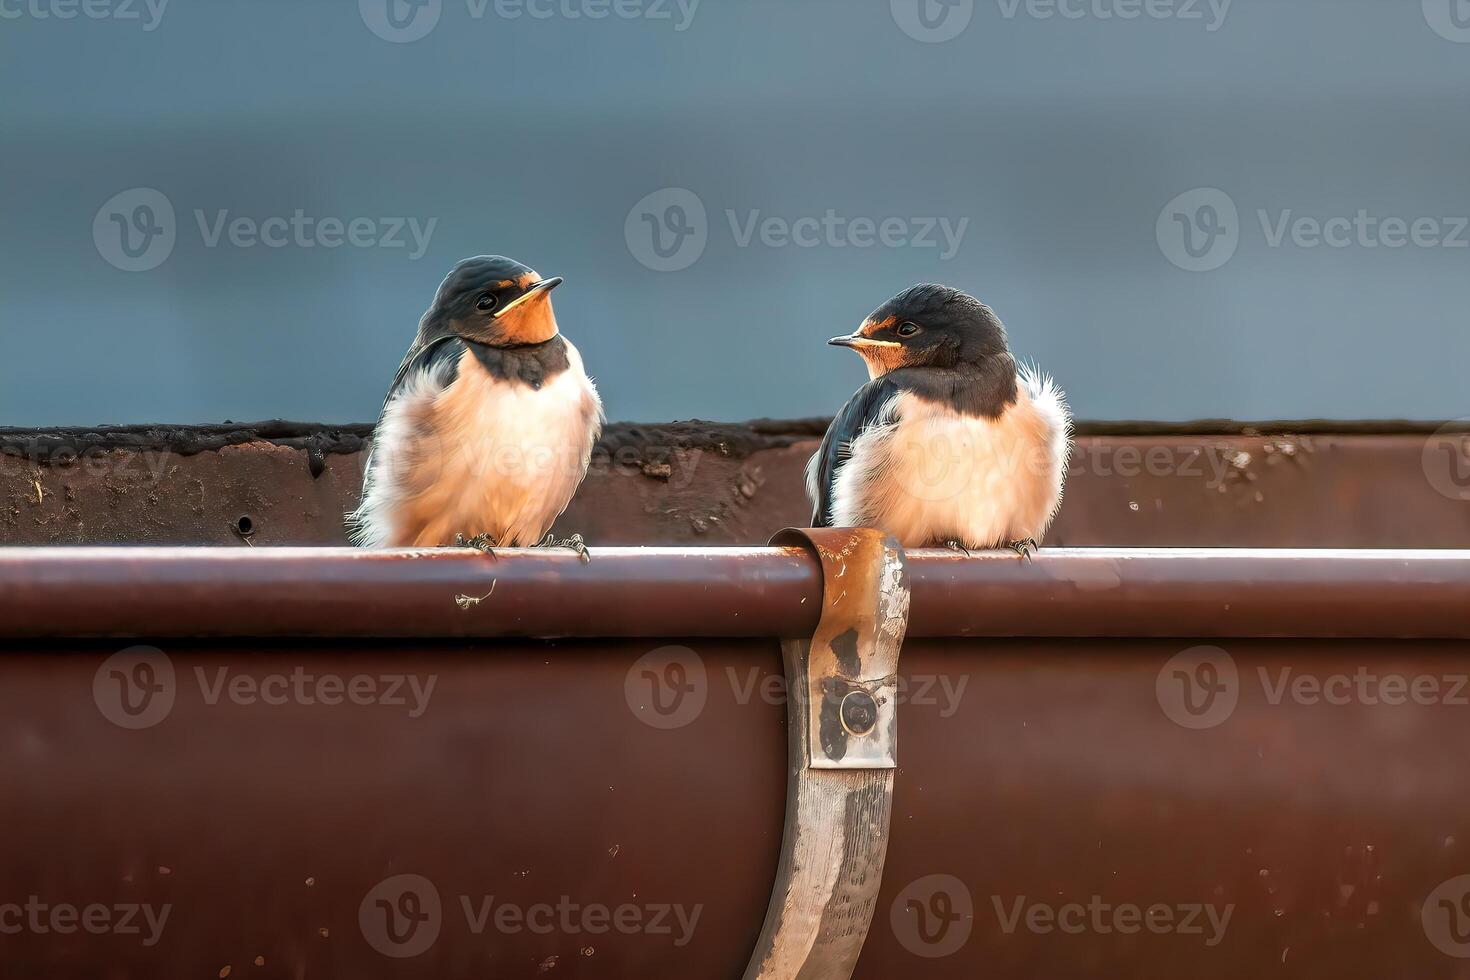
(842, 711)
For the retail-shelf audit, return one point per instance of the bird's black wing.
(442, 353)
(440, 357)
(861, 411)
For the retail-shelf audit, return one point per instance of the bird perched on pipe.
(488, 427)
(950, 443)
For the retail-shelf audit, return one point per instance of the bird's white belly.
(932, 475)
(483, 456)
(514, 456)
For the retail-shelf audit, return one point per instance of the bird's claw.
(480, 542)
(574, 542)
(1026, 548)
(954, 545)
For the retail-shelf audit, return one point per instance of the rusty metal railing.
(73, 592)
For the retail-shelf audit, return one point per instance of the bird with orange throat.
(488, 428)
(951, 442)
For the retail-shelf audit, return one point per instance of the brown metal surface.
(1040, 772)
(528, 782)
(722, 592)
(1216, 484)
(1054, 783)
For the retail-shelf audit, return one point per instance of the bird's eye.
(907, 329)
(486, 302)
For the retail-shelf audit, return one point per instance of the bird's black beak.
(847, 340)
(535, 289)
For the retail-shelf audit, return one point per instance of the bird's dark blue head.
(493, 300)
(928, 326)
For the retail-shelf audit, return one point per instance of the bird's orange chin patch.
(881, 358)
(531, 322)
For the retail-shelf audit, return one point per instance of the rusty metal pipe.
(444, 592)
(66, 592)
(1213, 592)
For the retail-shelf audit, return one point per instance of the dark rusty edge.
(643, 441)
(752, 592)
(633, 440)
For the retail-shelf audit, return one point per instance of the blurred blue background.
(536, 128)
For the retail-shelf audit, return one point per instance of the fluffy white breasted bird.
(489, 426)
(950, 443)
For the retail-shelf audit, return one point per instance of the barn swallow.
(950, 442)
(488, 427)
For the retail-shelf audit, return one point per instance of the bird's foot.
(954, 545)
(1026, 548)
(480, 542)
(574, 542)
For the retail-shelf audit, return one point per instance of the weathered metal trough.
(328, 763)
